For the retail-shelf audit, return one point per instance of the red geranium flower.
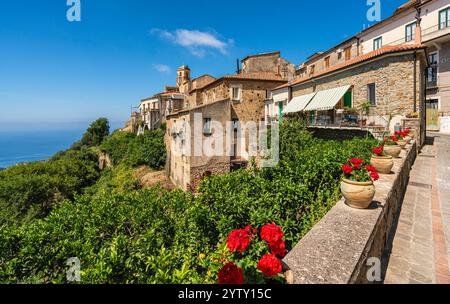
(270, 265)
(374, 175)
(271, 233)
(371, 169)
(231, 274)
(347, 169)
(394, 138)
(278, 249)
(238, 240)
(378, 151)
(356, 161)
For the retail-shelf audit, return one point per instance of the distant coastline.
(21, 147)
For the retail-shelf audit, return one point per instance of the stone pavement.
(420, 251)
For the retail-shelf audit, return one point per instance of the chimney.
(418, 34)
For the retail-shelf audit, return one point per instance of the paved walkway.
(420, 250)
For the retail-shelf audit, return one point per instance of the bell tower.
(183, 75)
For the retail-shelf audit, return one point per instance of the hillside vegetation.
(125, 234)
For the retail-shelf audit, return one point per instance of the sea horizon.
(33, 145)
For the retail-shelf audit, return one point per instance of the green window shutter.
(348, 99)
(281, 112)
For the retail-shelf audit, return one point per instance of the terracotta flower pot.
(358, 195)
(402, 144)
(393, 151)
(383, 164)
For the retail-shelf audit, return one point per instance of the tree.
(96, 132)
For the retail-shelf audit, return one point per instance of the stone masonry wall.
(394, 79)
(337, 249)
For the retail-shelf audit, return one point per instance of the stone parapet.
(337, 249)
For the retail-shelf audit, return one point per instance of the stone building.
(420, 22)
(153, 110)
(215, 112)
(391, 79)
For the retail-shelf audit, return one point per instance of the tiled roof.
(256, 76)
(388, 49)
(186, 110)
(260, 76)
(407, 5)
(170, 94)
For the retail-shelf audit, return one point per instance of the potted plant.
(357, 183)
(391, 147)
(401, 139)
(381, 161)
(407, 133)
(412, 115)
(365, 109)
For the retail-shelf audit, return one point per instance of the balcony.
(432, 83)
(436, 31)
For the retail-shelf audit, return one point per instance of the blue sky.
(57, 73)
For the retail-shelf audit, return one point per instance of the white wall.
(395, 30)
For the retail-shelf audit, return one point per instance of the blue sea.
(35, 145)
(27, 146)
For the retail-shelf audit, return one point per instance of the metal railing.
(425, 32)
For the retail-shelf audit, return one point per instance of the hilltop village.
(384, 76)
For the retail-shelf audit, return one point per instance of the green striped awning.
(327, 100)
(298, 103)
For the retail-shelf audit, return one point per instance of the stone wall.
(335, 58)
(337, 249)
(394, 79)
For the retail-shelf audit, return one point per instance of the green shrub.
(94, 135)
(147, 149)
(159, 236)
(32, 190)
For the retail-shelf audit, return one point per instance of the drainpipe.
(415, 81)
(357, 45)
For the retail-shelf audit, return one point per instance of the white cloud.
(162, 68)
(197, 42)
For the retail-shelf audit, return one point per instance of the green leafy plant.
(356, 170)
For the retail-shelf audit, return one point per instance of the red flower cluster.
(270, 265)
(357, 163)
(378, 151)
(347, 169)
(231, 274)
(400, 135)
(238, 240)
(273, 235)
(355, 166)
(373, 173)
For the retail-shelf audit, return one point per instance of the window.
(312, 69)
(377, 43)
(348, 53)
(410, 32)
(371, 94)
(236, 93)
(207, 126)
(444, 18)
(235, 122)
(432, 74)
(326, 62)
